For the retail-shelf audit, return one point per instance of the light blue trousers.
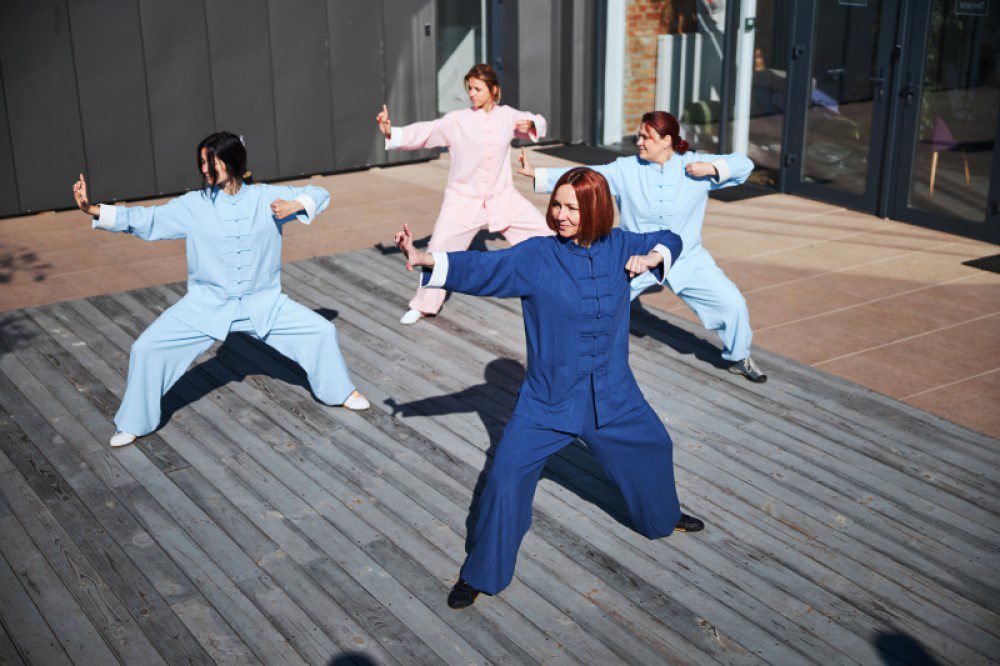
(716, 300)
(165, 350)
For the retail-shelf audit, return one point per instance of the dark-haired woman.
(574, 291)
(480, 191)
(232, 230)
(666, 187)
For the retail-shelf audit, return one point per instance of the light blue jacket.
(651, 197)
(233, 249)
(575, 302)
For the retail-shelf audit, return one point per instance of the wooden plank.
(104, 608)
(8, 651)
(65, 519)
(23, 625)
(255, 630)
(335, 622)
(79, 638)
(212, 631)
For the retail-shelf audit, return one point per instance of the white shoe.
(411, 317)
(122, 438)
(357, 402)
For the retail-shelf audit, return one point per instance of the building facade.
(886, 106)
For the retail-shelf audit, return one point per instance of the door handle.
(909, 91)
(879, 83)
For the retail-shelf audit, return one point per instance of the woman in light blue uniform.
(574, 291)
(666, 187)
(232, 230)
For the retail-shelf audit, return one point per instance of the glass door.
(948, 119)
(842, 54)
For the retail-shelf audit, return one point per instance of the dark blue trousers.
(636, 452)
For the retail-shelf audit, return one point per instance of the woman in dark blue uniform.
(574, 290)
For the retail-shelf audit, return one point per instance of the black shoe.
(748, 369)
(462, 595)
(685, 524)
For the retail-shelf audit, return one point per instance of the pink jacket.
(479, 143)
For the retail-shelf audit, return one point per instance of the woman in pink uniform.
(480, 191)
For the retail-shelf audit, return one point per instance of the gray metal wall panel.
(180, 88)
(111, 80)
(410, 70)
(9, 205)
(537, 58)
(243, 92)
(300, 62)
(356, 78)
(42, 107)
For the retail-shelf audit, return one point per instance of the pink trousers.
(454, 233)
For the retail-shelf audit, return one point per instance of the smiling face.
(222, 176)
(479, 93)
(566, 211)
(652, 147)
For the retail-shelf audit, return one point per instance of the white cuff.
(106, 219)
(394, 140)
(667, 259)
(440, 272)
(310, 206)
(722, 166)
(541, 179)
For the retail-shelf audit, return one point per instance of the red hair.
(666, 124)
(487, 75)
(597, 210)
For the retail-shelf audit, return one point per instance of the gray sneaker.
(748, 369)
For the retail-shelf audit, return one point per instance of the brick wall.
(644, 20)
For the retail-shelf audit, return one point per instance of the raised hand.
(524, 126)
(701, 169)
(283, 209)
(526, 168)
(82, 199)
(638, 264)
(384, 125)
(414, 257)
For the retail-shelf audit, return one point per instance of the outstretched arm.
(164, 222)
(547, 177)
(416, 136)
(496, 273)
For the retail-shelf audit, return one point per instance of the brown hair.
(597, 212)
(666, 124)
(487, 75)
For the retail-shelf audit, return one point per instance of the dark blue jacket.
(576, 318)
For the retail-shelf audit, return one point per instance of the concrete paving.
(881, 303)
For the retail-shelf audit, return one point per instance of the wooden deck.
(259, 525)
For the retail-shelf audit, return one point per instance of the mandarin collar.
(578, 249)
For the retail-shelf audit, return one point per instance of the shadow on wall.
(898, 648)
(15, 260)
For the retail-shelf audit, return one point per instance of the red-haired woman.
(574, 291)
(666, 186)
(480, 191)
